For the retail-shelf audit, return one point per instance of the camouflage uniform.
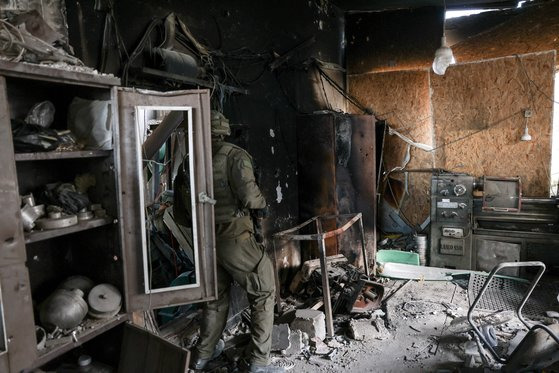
(239, 257)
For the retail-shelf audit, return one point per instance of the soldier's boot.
(201, 363)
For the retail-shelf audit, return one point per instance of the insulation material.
(534, 30)
(402, 99)
(478, 110)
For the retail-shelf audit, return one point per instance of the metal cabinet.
(108, 250)
(336, 165)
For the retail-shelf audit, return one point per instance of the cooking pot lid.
(104, 298)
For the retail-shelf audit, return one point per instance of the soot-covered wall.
(268, 28)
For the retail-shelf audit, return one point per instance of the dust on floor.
(413, 335)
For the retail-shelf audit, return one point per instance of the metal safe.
(451, 221)
(112, 249)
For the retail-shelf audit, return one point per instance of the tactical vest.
(227, 207)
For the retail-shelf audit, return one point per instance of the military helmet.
(220, 124)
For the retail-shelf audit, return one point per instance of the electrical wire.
(11, 41)
(487, 127)
(343, 92)
(286, 96)
(139, 48)
(532, 82)
(324, 91)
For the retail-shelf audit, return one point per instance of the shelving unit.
(36, 236)
(92, 247)
(107, 250)
(91, 329)
(44, 156)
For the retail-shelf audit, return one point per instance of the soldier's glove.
(260, 213)
(257, 216)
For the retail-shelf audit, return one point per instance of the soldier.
(239, 257)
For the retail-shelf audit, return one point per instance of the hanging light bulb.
(443, 56)
(526, 136)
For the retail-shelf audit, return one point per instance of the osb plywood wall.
(402, 99)
(537, 29)
(478, 118)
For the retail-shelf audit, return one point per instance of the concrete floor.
(418, 335)
(422, 327)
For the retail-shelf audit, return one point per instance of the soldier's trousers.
(246, 262)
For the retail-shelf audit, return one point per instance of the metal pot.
(29, 214)
(82, 283)
(64, 309)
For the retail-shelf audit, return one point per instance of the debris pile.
(350, 290)
(417, 325)
(27, 37)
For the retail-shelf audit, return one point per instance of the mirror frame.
(191, 161)
(3, 334)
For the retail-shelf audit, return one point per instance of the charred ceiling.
(384, 5)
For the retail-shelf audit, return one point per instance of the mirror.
(169, 240)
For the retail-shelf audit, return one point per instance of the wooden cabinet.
(106, 249)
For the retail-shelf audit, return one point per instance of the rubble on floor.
(310, 322)
(417, 326)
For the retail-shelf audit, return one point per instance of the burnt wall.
(266, 28)
(396, 40)
(337, 174)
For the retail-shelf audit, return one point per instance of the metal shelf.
(45, 156)
(36, 236)
(91, 328)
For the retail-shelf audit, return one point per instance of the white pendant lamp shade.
(526, 136)
(443, 58)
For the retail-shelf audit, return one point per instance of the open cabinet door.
(162, 135)
(163, 356)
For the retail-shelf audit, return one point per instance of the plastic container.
(421, 243)
(395, 256)
(86, 364)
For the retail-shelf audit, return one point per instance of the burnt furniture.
(336, 166)
(345, 222)
(108, 250)
(538, 349)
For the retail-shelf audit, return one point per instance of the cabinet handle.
(204, 198)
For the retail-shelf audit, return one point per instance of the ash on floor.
(411, 333)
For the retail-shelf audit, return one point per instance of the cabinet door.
(12, 246)
(161, 270)
(163, 355)
(17, 333)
